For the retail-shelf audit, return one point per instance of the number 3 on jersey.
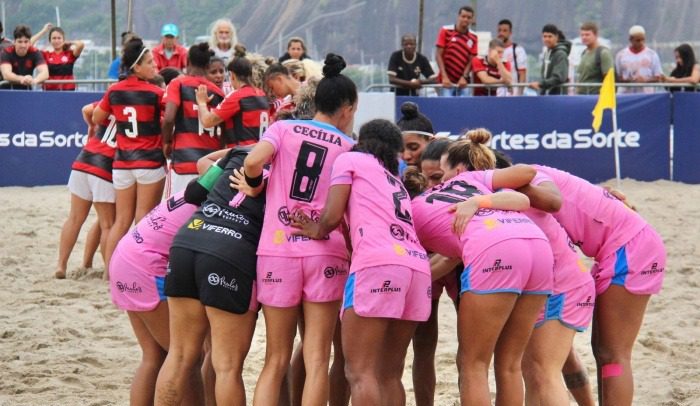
(401, 195)
(130, 114)
(307, 171)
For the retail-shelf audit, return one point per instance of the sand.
(62, 342)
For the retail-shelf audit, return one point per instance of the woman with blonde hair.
(223, 39)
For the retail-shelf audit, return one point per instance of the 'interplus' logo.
(654, 269)
(386, 288)
(588, 303)
(497, 267)
(269, 279)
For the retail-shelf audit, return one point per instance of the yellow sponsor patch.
(581, 266)
(399, 250)
(196, 224)
(279, 237)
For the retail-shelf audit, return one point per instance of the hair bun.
(333, 65)
(239, 51)
(409, 110)
(203, 46)
(479, 136)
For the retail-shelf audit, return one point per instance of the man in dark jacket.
(555, 67)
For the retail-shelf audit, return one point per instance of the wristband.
(254, 182)
(210, 176)
(484, 201)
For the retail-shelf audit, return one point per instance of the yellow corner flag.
(606, 100)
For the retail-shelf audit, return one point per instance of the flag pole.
(616, 138)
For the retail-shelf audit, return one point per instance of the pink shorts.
(390, 291)
(450, 283)
(137, 285)
(516, 265)
(573, 308)
(285, 282)
(639, 265)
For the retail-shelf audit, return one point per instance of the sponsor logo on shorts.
(269, 279)
(386, 288)
(587, 303)
(497, 267)
(430, 292)
(654, 269)
(332, 271)
(137, 236)
(216, 280)
(213, 209)
(126, 288)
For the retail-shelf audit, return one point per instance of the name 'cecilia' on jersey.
(318, 133)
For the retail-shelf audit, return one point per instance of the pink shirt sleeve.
(343, 170)
(273, 135)
(541, 177)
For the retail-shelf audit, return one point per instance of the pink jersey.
(569, 270)
(155, 232)
(300, 175)
(379, 215)
(433, 222)
(594, 219)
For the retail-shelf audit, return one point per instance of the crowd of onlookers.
(461, 70)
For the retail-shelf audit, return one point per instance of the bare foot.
(60, 274)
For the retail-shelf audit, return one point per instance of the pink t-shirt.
(155, 232)
(300, 174)
(569, 270)
(379, 215)
(487, 227)
(594, 219)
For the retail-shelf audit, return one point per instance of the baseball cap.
(637, 29)
(169, 29)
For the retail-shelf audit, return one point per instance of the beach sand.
(62, 342)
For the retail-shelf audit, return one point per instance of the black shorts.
(214, 282)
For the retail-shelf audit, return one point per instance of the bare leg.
(153, 355)
(363, 347)
(576, 380)
(424, 345)
(396, 341)
(208, 374)
(542, 364)
(189, 320)
(105, 216)
(510, 347)
(318, 337)
(618, 317)
(280, 324)
(231, 335)
(79, 210)
(340, 388)
(147, 197)
(92, 242)
(124, 217)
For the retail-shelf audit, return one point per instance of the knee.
(228, 365)
(607, 355)
(153, 359)
(507, 367)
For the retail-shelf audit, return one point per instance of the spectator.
(170, 54)
(296, 49)
(4, 42)
(637, 63)
(513, 54)
(596, 59)
(456, 46)
(687, 69)
(17, 62)
(60, 58)
(555, 66)
(223, 39)
(114, 72)
(406, 67)
(491, 70)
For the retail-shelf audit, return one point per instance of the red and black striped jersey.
(136, 105)
(191, 141)
(98, 153)
(60, 67)
(246, 115)
(458, 48)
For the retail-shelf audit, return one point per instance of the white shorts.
(90, 187)
(125, 178)
(177, 182)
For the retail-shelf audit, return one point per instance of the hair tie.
(143, 51)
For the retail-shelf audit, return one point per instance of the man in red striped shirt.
(456, 46)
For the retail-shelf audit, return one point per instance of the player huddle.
(335, 236)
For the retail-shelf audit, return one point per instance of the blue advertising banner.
(41, 133)
(686, 137)
(556, 131)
